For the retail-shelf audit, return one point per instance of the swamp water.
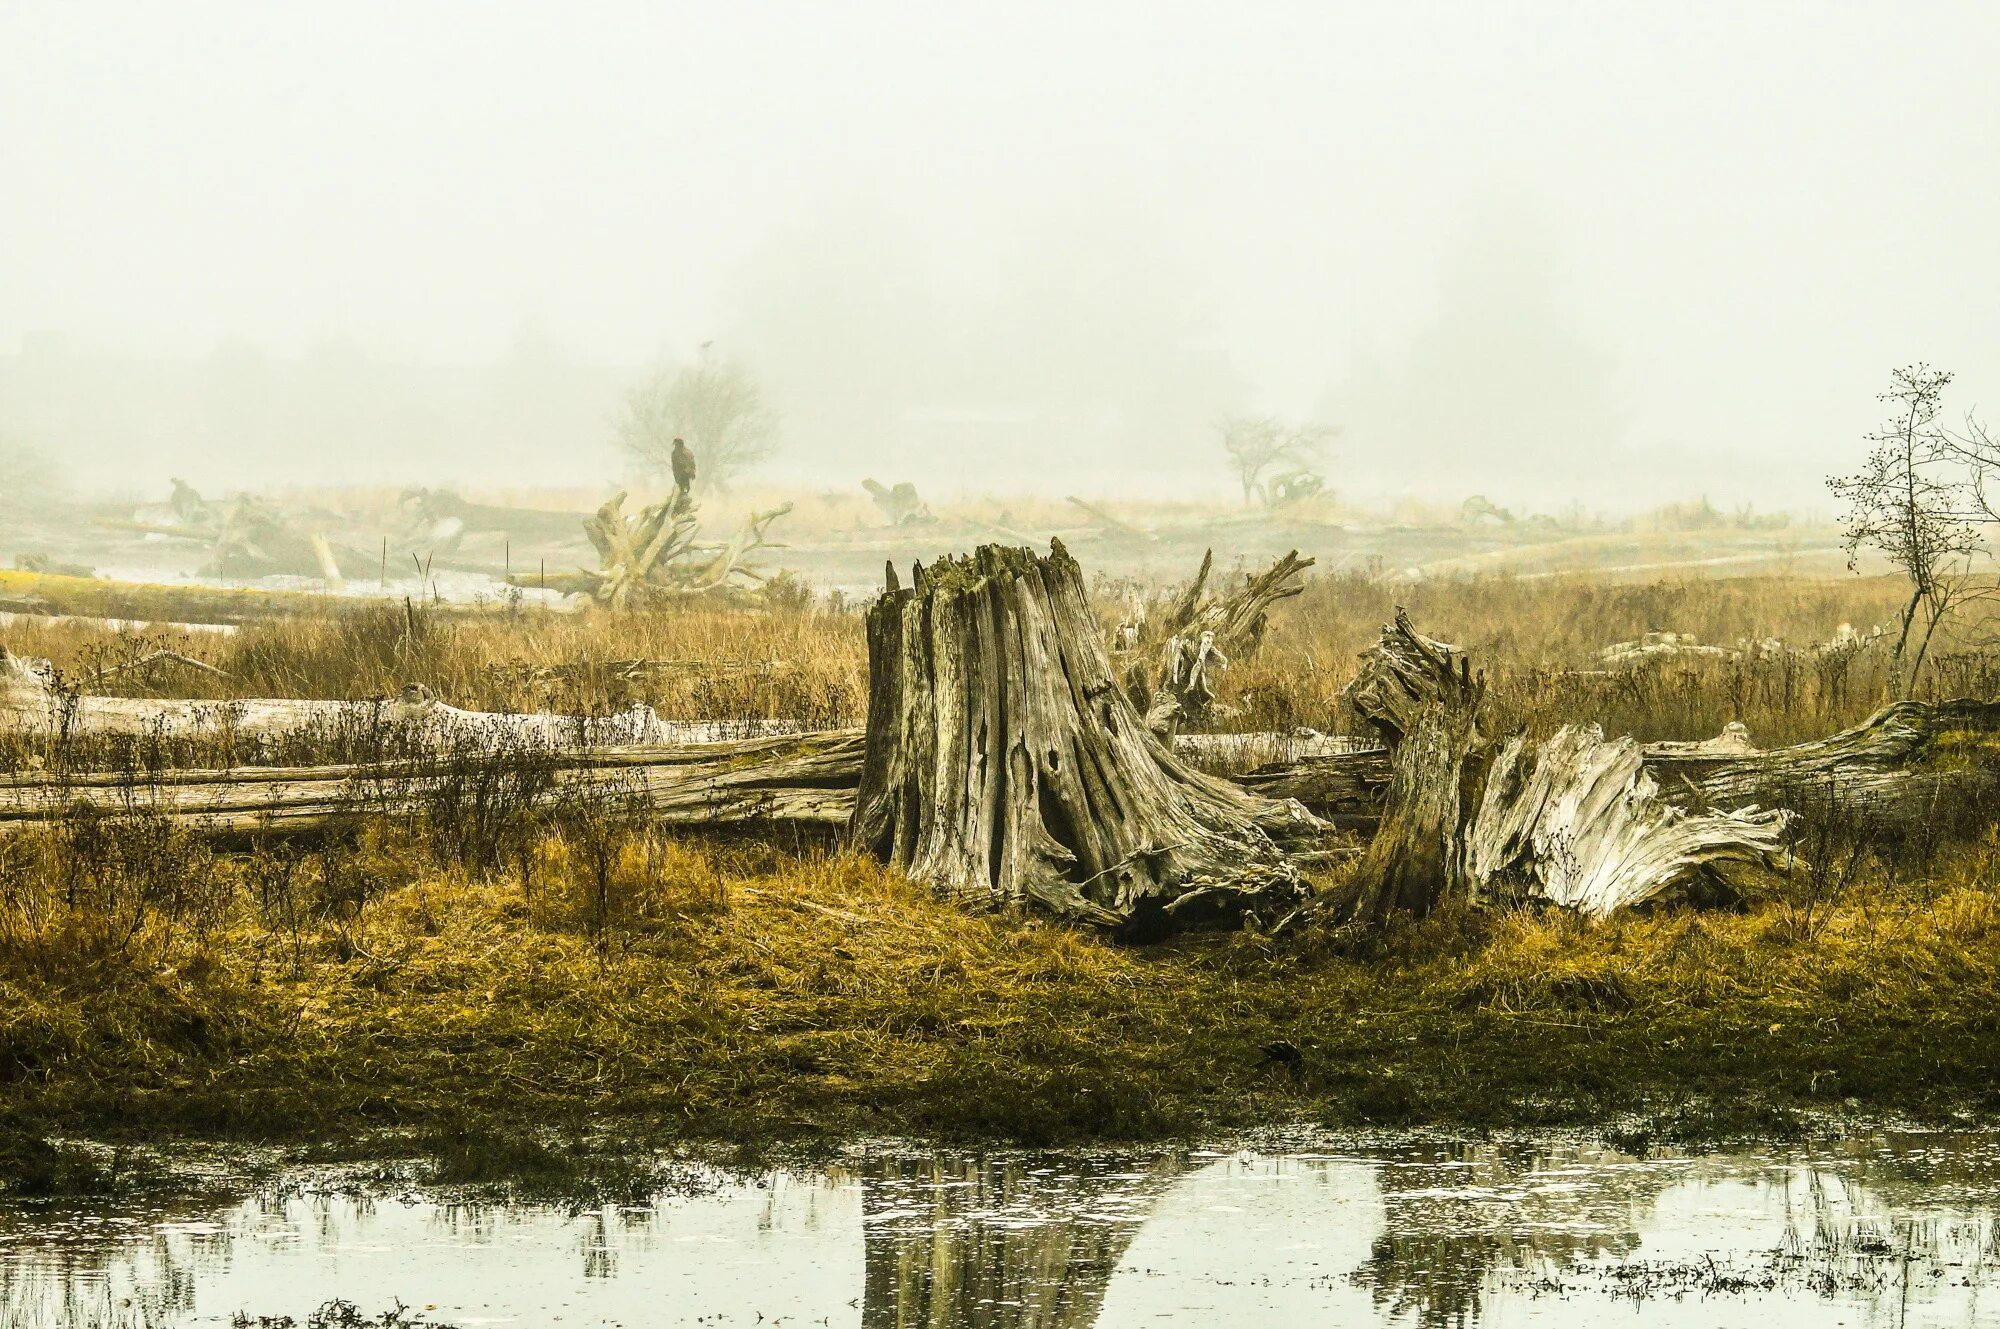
(1883, 1230)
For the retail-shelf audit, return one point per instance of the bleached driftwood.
(32, 703)
(1196, 636)
(805, 781)
(1577, 821)
(1684, 646)
(1005, 766)
(1660, 645)
(653, 556)
(1885, 770)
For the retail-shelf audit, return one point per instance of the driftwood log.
(805, 781)
(1579, 822)
(1006, 766)
(653, 556)
(33, 702)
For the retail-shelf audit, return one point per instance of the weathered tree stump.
(1573, 821)
(1422, 697)
(1197, 636)
(1005, 766)
(1401, 676)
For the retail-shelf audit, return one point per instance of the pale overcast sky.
(1547, 250)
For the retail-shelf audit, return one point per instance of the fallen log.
(1577, 821)
(1888, 769)
(1520, 842)
(805, 781)
(34, 701)
(1005, 766)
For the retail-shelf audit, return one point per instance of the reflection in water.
(1457, 1215)
(999, 1243)
(1890, 1230)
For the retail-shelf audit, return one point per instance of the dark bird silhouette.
(683, 460)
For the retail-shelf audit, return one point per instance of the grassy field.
(570, 975)
(702, 993)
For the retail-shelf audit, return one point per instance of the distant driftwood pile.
(1004, 762)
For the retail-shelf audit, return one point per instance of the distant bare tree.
(716, 405)
(1911, 502)
(1263, 449)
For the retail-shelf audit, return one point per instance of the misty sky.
(1548, 251)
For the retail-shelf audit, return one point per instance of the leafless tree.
(1912, 502)
(716, 405)
(1263, 449)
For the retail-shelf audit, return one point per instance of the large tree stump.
(1005, 765)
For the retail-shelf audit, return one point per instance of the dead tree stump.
(1422, 697)
(1198, 635)
(1574, 821)
(1004, 764)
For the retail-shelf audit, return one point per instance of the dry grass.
(1537, 639)
(676, 991)
(564, 969)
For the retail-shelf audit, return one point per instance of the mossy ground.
(716, 996)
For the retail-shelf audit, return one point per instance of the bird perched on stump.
(683, 461)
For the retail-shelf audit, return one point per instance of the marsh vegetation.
(491, 966)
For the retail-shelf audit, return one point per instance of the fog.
(1549, 252)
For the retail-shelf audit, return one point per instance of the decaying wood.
(442, 518)
(152, 658)
(1416, 861)
(1577, 821)
(899, 503)
(32, 702)
(1345, 788)
(637, 670)
(1401, 676)
(246, 537)
(1110, 521)
(653, 556)
(1888, 769)
(804, 780)
(1574, 821)
(1196, 636)
(1005, 766)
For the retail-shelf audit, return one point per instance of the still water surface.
(1887, 1230)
